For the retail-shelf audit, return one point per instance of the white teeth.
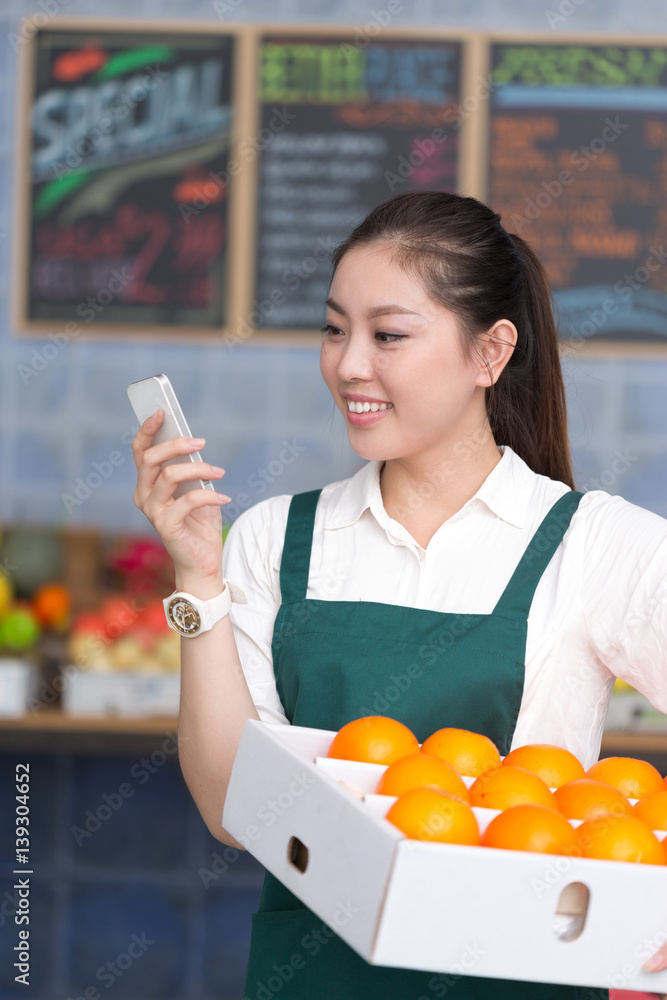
(354, 407)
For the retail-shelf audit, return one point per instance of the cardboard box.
(130, 693)
(436, 907)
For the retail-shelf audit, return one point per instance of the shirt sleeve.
(624, 593)
(251, 560)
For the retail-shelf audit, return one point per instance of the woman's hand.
(189, 527)
(657, 963)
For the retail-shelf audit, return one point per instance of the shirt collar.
(506, 491)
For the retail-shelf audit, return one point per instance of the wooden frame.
(113, 330)
(476, 50)
(243, 203)
(591, 348)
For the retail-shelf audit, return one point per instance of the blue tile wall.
(140, 900)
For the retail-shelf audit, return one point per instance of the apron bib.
(335, 661)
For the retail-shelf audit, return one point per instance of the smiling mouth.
(354, 407)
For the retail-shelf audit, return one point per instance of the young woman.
(460, 546)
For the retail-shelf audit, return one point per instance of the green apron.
(335, 661)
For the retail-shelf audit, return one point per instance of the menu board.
(128, 190)
(343, 127)
(578, 167)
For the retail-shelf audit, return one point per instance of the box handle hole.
(571, 911)
(297, 854)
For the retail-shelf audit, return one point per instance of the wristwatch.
(189, 616)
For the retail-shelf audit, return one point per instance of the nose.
(355, 361)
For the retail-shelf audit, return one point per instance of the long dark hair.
(464, 258)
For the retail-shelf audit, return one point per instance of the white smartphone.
(157, 392)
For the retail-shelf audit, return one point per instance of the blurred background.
(168, 203)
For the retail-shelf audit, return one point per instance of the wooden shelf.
(51, 730)
(621, 742)
(49, 719)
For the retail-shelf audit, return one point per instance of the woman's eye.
(390, 338)
(382, 338)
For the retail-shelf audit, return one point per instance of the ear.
(495, 348)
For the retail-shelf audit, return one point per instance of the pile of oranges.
(537, 789)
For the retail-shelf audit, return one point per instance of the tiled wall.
(136, 870)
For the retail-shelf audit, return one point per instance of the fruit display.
(124, 635)
(631, 711)
(23, 621)
(457, 789)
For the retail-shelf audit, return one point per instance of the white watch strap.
(215, 609)
(211, 611)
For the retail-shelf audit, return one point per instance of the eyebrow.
(375, 311)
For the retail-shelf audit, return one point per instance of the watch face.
(183, 616)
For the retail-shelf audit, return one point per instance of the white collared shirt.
(599, 610)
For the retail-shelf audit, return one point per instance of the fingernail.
(155, 415)
(217, 470)
(196, 442)
(655, 964)
(224, 497)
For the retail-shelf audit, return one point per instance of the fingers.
(168, 520)
(180, 472)
(149, 458)
(658, 961)
(142, 439)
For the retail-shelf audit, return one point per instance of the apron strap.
(518, 594)
(295, 562)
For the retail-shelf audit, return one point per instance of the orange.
(554, 765)
(586, 798)
(530, 828)
(652, 810)
(619, 838)
(418, 770)
(428, 814)
(504, 787)
(52, 604)
(375, 739)
(634, 778)
(469, 753)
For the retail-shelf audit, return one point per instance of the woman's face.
(388, 344)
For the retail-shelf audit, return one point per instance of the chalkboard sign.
(344, 126)
(128, 190)
(578, 167)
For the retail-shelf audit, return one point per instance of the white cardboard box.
(387, 896)
(126, 693)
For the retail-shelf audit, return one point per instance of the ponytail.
(526, 406)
